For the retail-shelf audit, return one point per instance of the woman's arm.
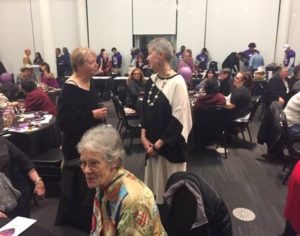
(39, 187)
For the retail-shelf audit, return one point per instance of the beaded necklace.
(155, 97)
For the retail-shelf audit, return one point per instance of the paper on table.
(19, 224)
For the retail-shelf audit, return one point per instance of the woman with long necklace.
(166, 119)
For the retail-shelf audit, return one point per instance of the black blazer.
(275, 89)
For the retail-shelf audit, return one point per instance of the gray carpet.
(245, 179)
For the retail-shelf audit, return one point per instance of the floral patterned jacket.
(126, 207)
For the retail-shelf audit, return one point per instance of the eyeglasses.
(91, 164)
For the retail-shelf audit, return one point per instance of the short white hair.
(103, 139)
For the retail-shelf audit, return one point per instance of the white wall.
(294, 32)
(110, 26)
(154, 17)
(233, 24)
(191, 24)
(16, 33)
(230, 26)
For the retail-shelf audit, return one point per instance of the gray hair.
(162, 45)
(103, 139)
(78, 55)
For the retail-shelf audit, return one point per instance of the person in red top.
(36, 99)
(292, 208)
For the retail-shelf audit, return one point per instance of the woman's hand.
(146, 143)
(100, 113)
(39, 188)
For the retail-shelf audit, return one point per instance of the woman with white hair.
(166, 119)
(123, 204)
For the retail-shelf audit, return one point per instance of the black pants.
(289, 231)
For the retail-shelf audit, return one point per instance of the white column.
(47, 34)
(82, 23)
(283, 29)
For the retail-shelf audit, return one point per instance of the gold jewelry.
(155, 97)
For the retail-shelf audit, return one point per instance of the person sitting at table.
(16, 165)
(123, 204)
(36, 99)
(225, 82)
(135, 87)
(240, 102)
(47, 77)
(294, 80)
(8, 87)
(259, 74)
(78, 102)
(211, 98)
(104, 65)
(210, 74)
(278, 88)
(202, 60)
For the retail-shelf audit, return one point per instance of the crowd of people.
(123, 204)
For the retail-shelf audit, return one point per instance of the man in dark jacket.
(277, 88)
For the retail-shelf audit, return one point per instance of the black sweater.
(75, 116)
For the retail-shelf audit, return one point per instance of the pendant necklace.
(155, 97)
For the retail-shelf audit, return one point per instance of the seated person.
(7, 86)
(277, 88)
(211, 98)
(226, 82)
(210, 74)
(36, 99)
(259, 74)
(292, 111)
(135, 87)
(16, 165)
(294, 82)
(26, 74)
(47, 77)
(240, 100)
(123, 204)
(292, 208)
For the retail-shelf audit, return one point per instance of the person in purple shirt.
(247, 54)
(202, 59)
(289, 59)
(116, 61)
(179, 54)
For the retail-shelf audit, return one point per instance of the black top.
(226, 86)
(231, 62)
(74, 116)
(134, 89)
(241, 98)
(275, 89)
(16, 165)
(160, 123)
